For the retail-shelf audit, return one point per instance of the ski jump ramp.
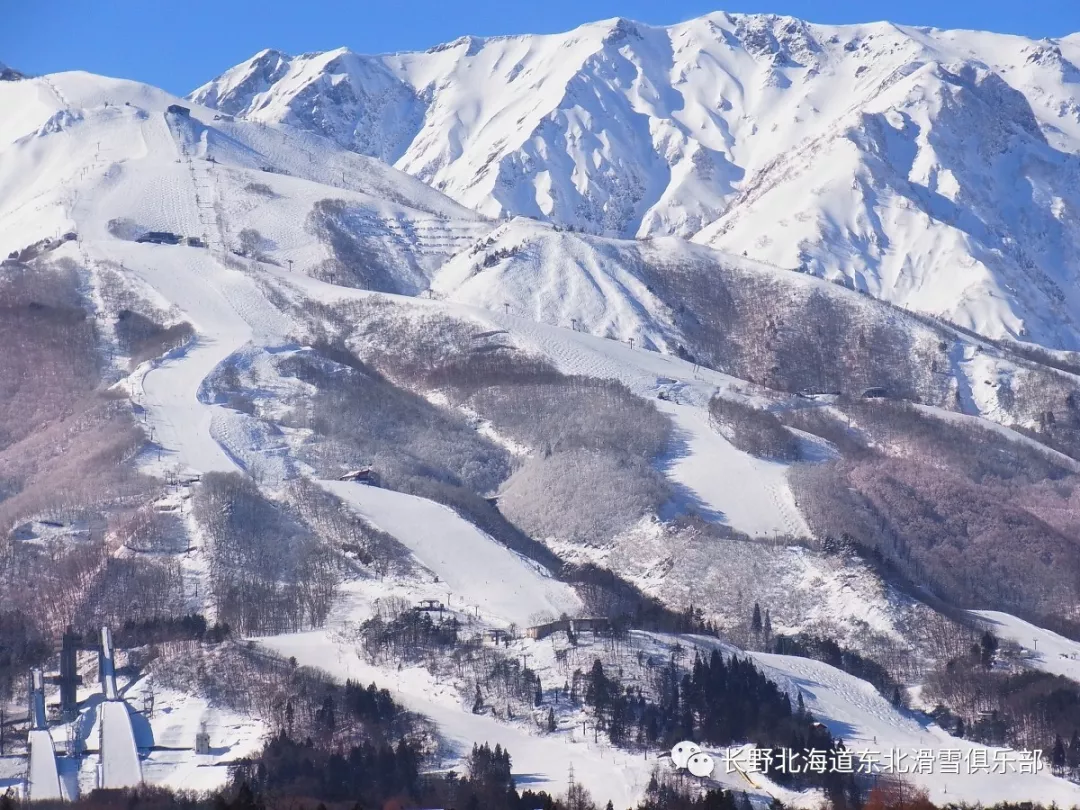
(43, 777)
(120, 767)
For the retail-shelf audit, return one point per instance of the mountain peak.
(799, 144)
(8, 74)
(469, 44)
(618, 29)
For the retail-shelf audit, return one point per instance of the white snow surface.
(120, 767)
(1042, 649)
(866, 721)
(43, 779)
(749, 494)
(540, 761)
(176, 719)
(506, 587)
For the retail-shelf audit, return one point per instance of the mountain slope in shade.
(934, 169)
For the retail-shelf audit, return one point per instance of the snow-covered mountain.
(934, 169)
(290, 283)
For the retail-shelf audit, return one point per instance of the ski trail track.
(507, 588)
(540, 761)
(751, 493)
(225, 307)
(1042, 649)
(855, 711)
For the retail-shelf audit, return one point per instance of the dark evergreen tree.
(1057, 756)
(989, 646)
(325, 716)
(755, 619)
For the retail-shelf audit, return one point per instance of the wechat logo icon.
(689, 755)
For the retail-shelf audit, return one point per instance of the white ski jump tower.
(120, 767)
(107, 665)
(43, 777)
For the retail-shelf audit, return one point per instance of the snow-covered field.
(541, 761)
(851, 708)
(167, 739)
(1042, 649)
(721, 481)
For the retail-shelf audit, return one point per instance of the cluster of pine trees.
(408, 636)
(378, 776)
(356, 712)
(806, 645)
(718, 702)
(160, 630)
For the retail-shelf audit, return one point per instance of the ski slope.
(715, 478)
(53, 179)
(540, 761)
(1043, 649)
(108, 152)
(169, 391)
(725, 484)
(477, 570)
(120, 766)
(856, 712)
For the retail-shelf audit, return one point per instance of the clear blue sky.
(179, 44)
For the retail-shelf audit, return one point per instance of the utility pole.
(506, 304)
(290, 261)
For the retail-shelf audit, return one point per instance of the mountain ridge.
(630, 130)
